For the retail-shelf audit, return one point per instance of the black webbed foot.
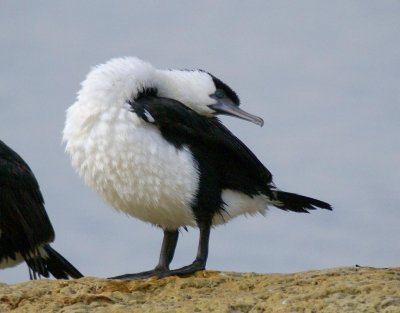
(167, 253)
(141, 275)
(183, 271)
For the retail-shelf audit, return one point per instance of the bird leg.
(166, 255)
(201, 259)
(167, 250)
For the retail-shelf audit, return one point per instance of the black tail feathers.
(293, 202)
(54, 264)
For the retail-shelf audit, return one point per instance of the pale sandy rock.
(336, 290)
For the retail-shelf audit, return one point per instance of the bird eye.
(219, 93)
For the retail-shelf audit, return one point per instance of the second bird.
(25, 229)
(149, 142)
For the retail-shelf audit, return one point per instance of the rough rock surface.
(334, 290)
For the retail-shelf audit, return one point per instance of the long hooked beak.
(227, 107)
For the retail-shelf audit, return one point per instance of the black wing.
(24, 223)
(222, 154)
(226, 161)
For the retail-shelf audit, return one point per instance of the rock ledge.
(335, 290)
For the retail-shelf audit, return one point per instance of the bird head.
(203, 93)
(121, 80)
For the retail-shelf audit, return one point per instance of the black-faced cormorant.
(149, 142)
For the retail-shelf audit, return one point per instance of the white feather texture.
(193, 88)
(237, 203)
(124, 159)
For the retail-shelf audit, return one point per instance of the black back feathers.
(224, 161)
(24, 224)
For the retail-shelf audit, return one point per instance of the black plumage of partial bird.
(25, 228)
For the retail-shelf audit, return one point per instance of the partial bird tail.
(293, 202)
(53, 263)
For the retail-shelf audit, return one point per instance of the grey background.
(324, 75)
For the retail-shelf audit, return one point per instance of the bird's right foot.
(141, 275)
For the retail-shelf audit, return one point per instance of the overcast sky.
(324, 75)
